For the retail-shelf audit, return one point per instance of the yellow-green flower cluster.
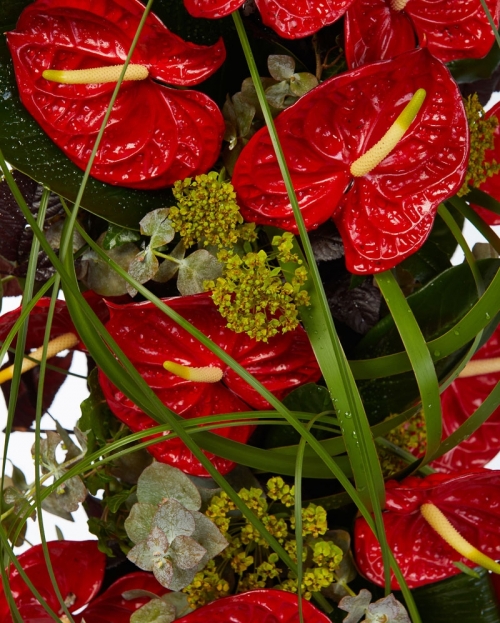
(481, 139)
(207, 586)
(254, 297)
(410, 436)
(207, 212)
(249, 562)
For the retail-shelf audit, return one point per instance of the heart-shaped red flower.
(458, 402)
(156, 134)
(79, 571)
(291, 19)
(149, 338)
(470, 501)
(386, 214)
(263, 606)
(376, 30)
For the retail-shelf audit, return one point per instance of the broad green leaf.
(160, 481)
(209, 536)
(438, 307)
(302, 83)
(185, 552)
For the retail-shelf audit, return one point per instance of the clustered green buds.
(172, 539)
(253, 295)
(249, 563)
(481, 140)
(207, 212)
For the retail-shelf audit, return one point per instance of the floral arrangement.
(250, 209)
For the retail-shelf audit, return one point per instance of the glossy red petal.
(155, 135)
(492, 184)
(110, 27)
(212, 9)
(78, 568)
(387, 214)
(264, 606)
(150, 338)
(451, 29)
(293, 19)
(460, 401)
(470, 501)
(112, 606)
(374, 32)
(61, 323)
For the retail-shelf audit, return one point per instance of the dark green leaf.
(472, 69)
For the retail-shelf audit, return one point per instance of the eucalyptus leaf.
(209, 536)
(155, 611)
(302, 83)
(67, 498)
(277, 93)
(157, 225)
(387, 610)
(139, 522)
(186, 553)
(99, 276)
(19, 479)
(180, 578)
(195, 269)
(116, 236)
(356, 606)
(142, 268)
(244, 113)
(160, 481)
(281, 67)
(174, 520)
(148, 553)
(169, 268)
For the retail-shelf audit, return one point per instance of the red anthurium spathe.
(156, 134)
(492, 184)
(461, 399)
(149, 338)
(291, 19)
(79, 571)
(469, 501)
(264, 606)
(385, 214)
(452, 29)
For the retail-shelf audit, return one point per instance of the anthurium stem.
(446, 531)
(60, 343)
(374, 156)
(481, 366)
(206, 374)
(98, 75)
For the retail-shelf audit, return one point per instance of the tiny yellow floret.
(207, 374)
(97, 75)
(63, 342)
(374, 156)
(450, 534)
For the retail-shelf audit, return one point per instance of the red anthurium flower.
(156, 134)
(61, 322)
(452, 29)
(461, 399)
(79, 570)
(264, 606)
(149, 338)
(291, 19)
(385, 214)
(492, 184)
(469, 501)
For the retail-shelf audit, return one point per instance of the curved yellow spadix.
(207, 374)
(374, 156)
(450, 534)
(398, 5)
(481, 366)
(63, 342)
(98, 75)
